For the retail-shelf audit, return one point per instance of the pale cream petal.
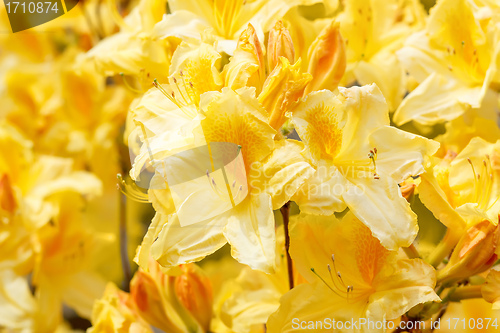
(250, 231)
(322, 192)
(283, 172)
(367, 110)
(182, 24)
(177, 245)
(401, 154)
(253, 299)
(401, 286)
(378, 203)
(17, 305)
(84, 290)
(437, 99)
(386, 72)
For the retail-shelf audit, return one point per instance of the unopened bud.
(115, 312)
(194, 291)
(327, 59)
(280, 44)
(474, 253)
(149, 292)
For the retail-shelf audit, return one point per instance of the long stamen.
(476, 185)
(372, 155)
(129, 86)
(329, 287)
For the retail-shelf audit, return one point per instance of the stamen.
(476, 185)
(131, 190)
(372, 155)
(129, 86)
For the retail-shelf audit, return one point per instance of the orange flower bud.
(474, 253)
(327, 59)
(149, 292)
(194, 291)
(280, 44)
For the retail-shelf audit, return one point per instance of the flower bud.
(280, 44)
(474, 253)
(246, 67)
(194, 291)
(114, 313)
(327, 59)
(149, 293)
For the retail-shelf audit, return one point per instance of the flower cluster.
(252, 166)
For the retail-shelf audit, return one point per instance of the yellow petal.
(437, 99)
(282, 89)
(246, 66)
(412, 278)
(178, 244)
(250, 231)
(17, 304)
(327, 59)
(369, 199)
(283, 172)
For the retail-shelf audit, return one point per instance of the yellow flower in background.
(359, 161)
(373, 32)
(454, 59)
(462, 190)
(138, 49)
(225, 19)
(351, 276)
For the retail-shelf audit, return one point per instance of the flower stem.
(466, 293)
(444, 248)
(411, 251)
(285, 212)
(127, 274)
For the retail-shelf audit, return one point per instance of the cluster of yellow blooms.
(283, 165)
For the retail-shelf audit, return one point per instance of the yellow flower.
(454, 59)
(359, 161)
(233, 117)
(462, 190)
(351, 276)
(227, 19)
(373, 32)
(137, 49)
(245, 303)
